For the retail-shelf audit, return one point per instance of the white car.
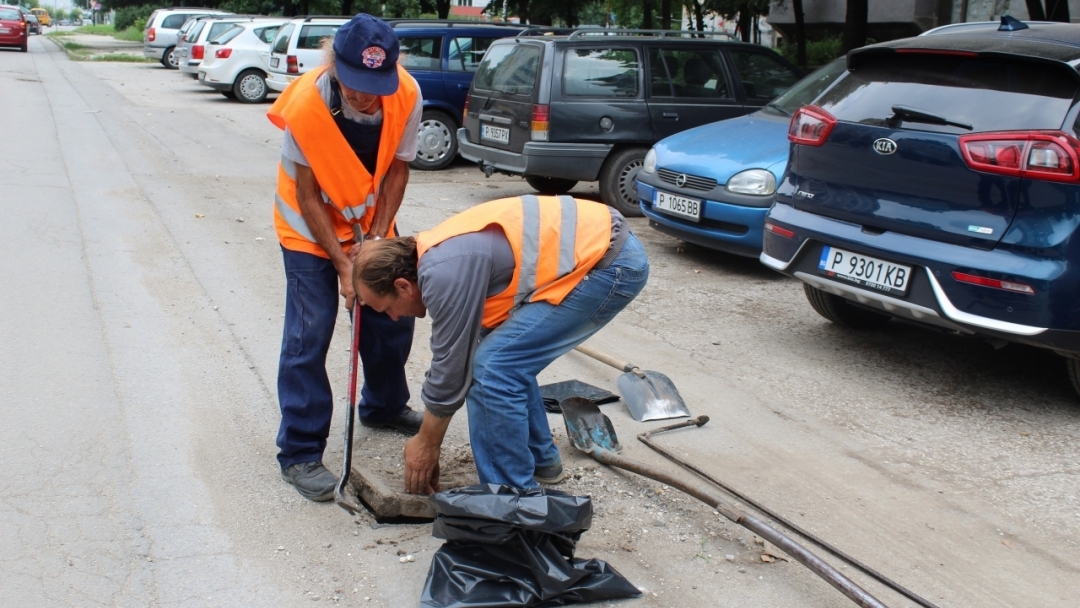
(296, 49)
(159, 37)
(191, 45)
(235, 62)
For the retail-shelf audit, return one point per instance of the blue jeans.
(307, 403)
(506, 412)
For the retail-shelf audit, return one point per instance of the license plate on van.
(865, 271)
(496, 134)
(689, 208)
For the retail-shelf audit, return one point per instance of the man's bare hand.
(421, 466)
(345, 279)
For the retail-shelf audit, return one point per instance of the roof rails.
(633, 32)
(450, 22)
(545, 30)
(310, 17)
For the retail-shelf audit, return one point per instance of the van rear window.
(988, 93)
(281, 45)
(509, 68)
(311, 35)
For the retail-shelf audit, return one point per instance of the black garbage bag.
(512, 547)
(554, 393)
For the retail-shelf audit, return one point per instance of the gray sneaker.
(551, 474)
(311, 480)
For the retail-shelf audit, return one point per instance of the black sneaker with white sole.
(311, 480)
(551, 474)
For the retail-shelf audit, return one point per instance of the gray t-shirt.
(455, 278)
(406, 149)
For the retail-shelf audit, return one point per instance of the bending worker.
(510, 285)
(350, 132)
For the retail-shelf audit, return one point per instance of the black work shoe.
(408, 422)
(551, 474)
(311, 480)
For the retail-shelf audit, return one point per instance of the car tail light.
(465, 110)
(810, 126)
(150, 35)
(784, 232)
(540, 122)
(223, 53)
(995, 283)
(197, 51)
(292, 66)
(1048, 155)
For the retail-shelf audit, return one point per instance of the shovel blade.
(587, 427)
(653, 397)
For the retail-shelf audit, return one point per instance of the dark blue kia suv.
(938, 181)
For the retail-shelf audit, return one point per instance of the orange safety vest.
(345, 182)
(555, 240)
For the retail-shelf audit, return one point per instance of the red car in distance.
(12, 27)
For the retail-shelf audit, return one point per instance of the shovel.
(648, 395)
(591, 431)
(344, 494)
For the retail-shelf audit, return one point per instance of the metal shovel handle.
(706, 495)
(605, 358)
(341, 497)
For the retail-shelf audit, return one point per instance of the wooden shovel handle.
(618, 364)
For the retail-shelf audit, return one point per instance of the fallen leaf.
(1007, 543)
(768, 559)
(199, 215)
(773, 552)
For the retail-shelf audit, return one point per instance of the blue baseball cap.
(366, 54)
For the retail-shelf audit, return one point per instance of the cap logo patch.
(373, 57)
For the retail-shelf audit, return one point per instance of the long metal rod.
(706, 495)
(700, 421)
(340, 497)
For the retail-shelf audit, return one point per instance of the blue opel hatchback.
(713, 184)
(938, 181)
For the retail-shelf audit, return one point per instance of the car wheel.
(843, 313)
(1073, 366)
(550, 186)
(23, 48)
(617, 180)
(250, 87)
(170, 60)
(437, 142)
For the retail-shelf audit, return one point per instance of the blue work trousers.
(508, 425)
(307, 404)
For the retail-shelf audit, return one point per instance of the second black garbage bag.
(512, 547)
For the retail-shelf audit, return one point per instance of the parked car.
(42, 15)
(159, 35)
(12, 27)
(441, 55)
(713, 184)
(236, 61)
(937, 181)
(195, 44)
(588, 106)
(33, 26)
(65, 22)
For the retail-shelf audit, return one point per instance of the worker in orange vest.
(510, 286)
(350, 132)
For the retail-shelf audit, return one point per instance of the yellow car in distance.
(42, 15)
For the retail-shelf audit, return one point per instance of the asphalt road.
(141, 319)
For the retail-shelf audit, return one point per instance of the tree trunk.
(1057, 10)
(1035, 10)
(665, 14)
(346, 7)
(744, 22)
(800, 33)
(858, 13)
(646, 17)
(443, 8)
(698, 16)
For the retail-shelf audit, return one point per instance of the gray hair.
(329, 58)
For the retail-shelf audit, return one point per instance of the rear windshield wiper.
(908, 114)
(777, 108)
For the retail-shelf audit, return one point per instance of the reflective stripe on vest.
(552, 254)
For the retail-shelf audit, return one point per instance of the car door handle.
(671, 116)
